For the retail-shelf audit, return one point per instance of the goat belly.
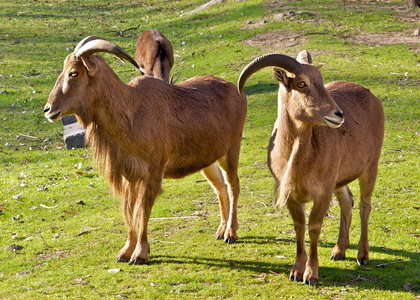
(182, 171)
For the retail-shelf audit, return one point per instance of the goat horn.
(86, 40)
(269, 60)
(101, 45)
(304, 57)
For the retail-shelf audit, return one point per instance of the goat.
(313, 153)
(147, 130)
(154, 54)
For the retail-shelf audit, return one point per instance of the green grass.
(68, 249)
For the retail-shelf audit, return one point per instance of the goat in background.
(154, 54)
(314, 153)
(148, 130)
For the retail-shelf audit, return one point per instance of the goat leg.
(148, 192)
(366, 183)
(345, 198)
(316, 218)
(297, 211)
(128, 249)
(229, 164)
(232, 225)
(215, 177)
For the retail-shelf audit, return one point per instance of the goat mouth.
(333, 123)
(54, 118)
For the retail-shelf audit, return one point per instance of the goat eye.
(73, 74)
(301, 84)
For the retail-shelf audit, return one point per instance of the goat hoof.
(362, 262)
(122, 259)
(311, 281)
(219, 237)
(297, 277)
(138, 261)
(337, 257)
(230, 240)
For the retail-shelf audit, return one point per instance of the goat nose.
(339, 114)
(46, 109)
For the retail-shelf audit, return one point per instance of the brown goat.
(148, 130)
(313, 153)
(154, 54)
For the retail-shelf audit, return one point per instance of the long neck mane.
(109, 131)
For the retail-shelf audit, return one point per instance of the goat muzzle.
(52, 116)
(336, 120)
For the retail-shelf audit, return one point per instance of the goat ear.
(90, 66)
(281, 76)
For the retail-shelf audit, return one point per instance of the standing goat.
(148, 130)
(313, 153)
(154, 54)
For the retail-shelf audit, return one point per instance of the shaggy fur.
(147, 130)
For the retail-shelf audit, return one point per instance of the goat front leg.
(129, 195)
(125, 253)
(148, 191)
(345, 198)
(297, 211)
(367, 184)
(316, 218)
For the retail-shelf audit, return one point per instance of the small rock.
(114, 270)
(26, 272)
(417, 32)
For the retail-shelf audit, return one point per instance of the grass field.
(67, 228)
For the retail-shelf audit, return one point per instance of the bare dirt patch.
(277, 40)
(382, 38)
(279, 10)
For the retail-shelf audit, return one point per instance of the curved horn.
(102, 45)
(304, 57)
(86, 40)
(269, 60)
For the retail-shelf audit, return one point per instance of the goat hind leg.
(345, 199)
(229, 165)
(214, 175)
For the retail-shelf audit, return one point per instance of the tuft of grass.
(54, 204)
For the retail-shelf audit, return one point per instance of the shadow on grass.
(261, 88)
(383, 274)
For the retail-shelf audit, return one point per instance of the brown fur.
(154, 54)
(311, 162)
(147, 130)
